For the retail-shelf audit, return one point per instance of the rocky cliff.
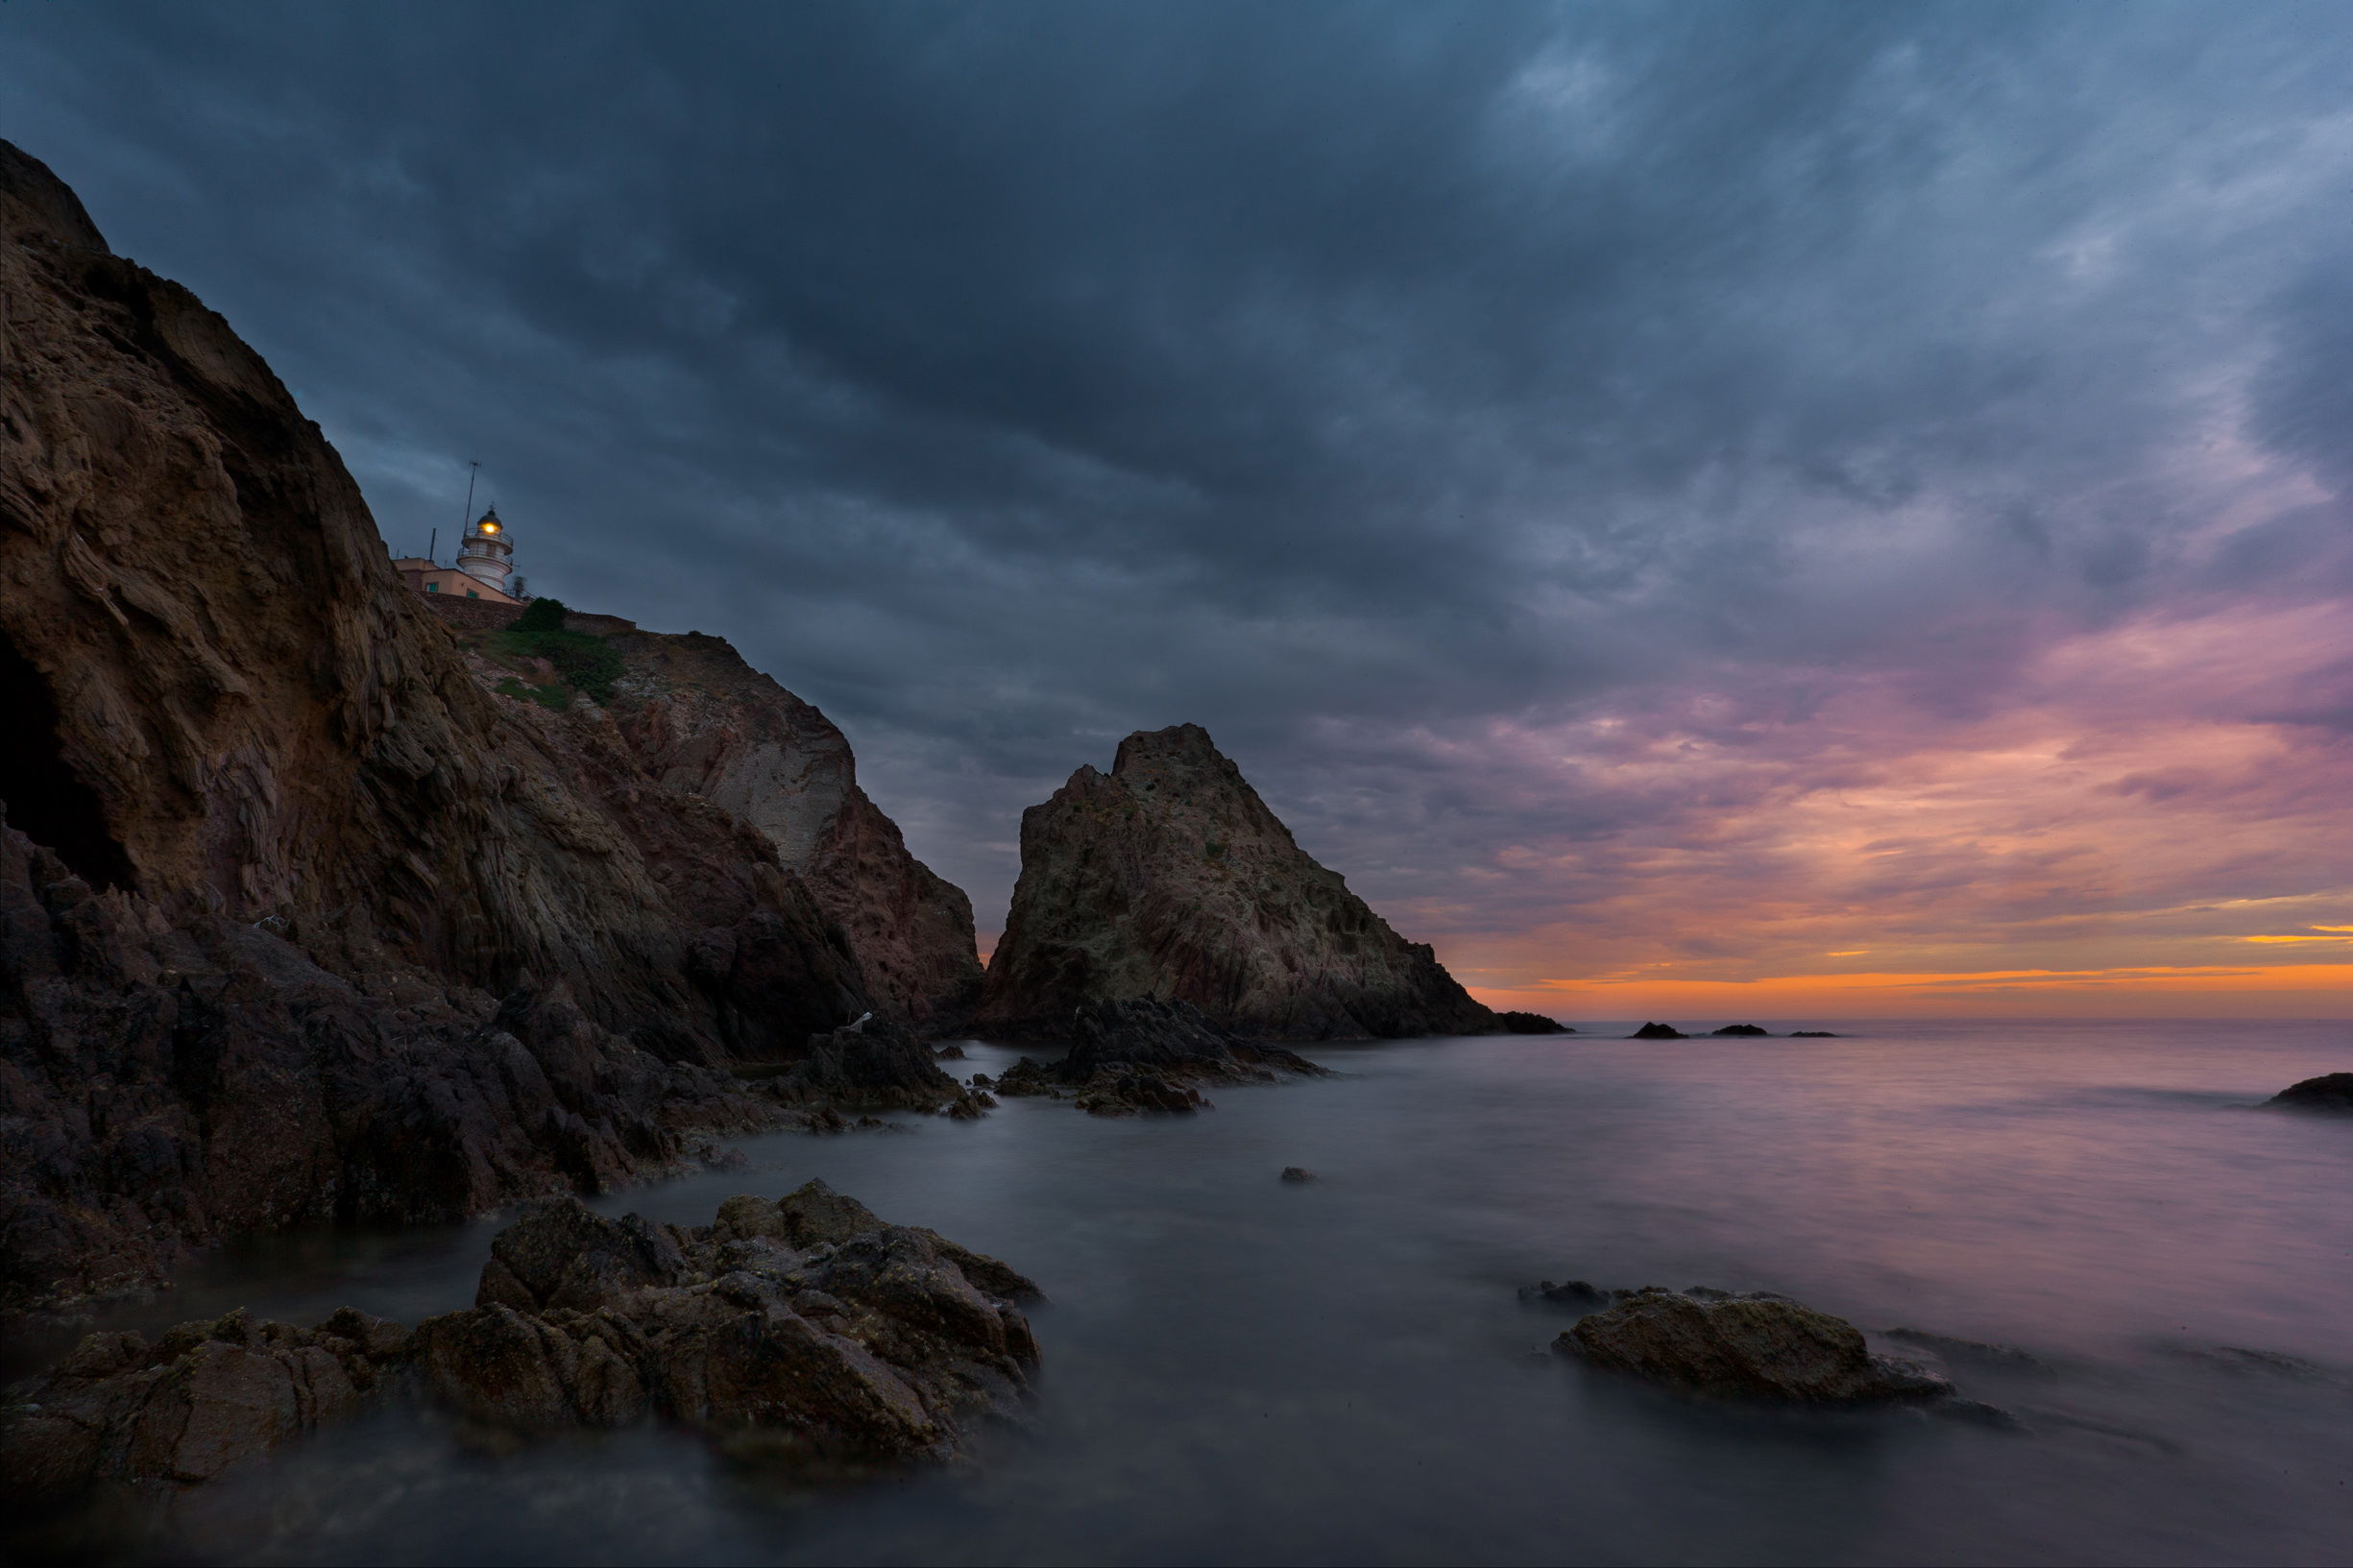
(704, 722)
(1169, 877)
(275, 858)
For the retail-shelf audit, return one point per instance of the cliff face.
(1169, 877)
(704, 722)
(291, 852)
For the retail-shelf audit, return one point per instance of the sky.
(1700, 509)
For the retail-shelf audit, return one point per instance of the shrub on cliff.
(582, 658)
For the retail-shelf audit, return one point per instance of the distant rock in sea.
(1811, 1035)
(2332, 1091)
(1533, 1023)
(1169, 877)
(1740, 1028)
(1657, 1031)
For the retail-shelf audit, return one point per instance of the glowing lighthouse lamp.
(486, 556)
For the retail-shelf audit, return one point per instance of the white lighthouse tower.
(486, 556)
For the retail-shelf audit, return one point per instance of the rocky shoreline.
(803, 1331)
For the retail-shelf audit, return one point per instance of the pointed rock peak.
(1178, 749)
(32, 201)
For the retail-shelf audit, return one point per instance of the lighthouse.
(486, 556)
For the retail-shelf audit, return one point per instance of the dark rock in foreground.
(1740, 1028)
(1168, 877)
(1148, 1056)
(2332, 1093)
(1757, 1345)
(802, 1329)
(1533, 1023)
(1657, 1031)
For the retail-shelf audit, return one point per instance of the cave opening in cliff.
(44, 801)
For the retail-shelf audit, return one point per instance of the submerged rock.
(804, 1326)
(1148, 1056)
(2331, 1091)
(1532, 1024)
(1297, 1173)
(1657, 1031)
(1752, 1345)
(1575, 1293)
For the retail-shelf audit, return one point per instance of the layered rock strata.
(1168, 878)
(803, 1329)
(279, 856)
(704, 722)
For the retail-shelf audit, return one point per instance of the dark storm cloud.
(1352, 379)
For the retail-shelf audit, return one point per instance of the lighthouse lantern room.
(486, 556)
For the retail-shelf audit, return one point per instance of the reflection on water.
(1239, 1370)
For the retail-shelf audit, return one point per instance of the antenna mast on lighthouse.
(474, 472)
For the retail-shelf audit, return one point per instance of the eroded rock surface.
(705, 722)
(797, 1328)
(1169, 877)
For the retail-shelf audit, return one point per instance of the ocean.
(1241, 1370)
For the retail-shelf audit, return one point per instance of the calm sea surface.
(1241, 1371)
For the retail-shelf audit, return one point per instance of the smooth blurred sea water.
(1242, 1371)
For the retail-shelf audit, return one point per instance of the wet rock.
(949, 1053)
(807, 1320)
(203, 1398)
(1532, 1024)
(1293, 1172)
(2331, 1093)
(872, 1064)
(1739, 1029)
(1657, 1031)
(1746, 1345)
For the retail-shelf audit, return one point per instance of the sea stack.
(1169, 877)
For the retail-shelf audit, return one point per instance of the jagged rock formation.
(801, 1329)
(1169, 877)
(291, 852)
(705, 722)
